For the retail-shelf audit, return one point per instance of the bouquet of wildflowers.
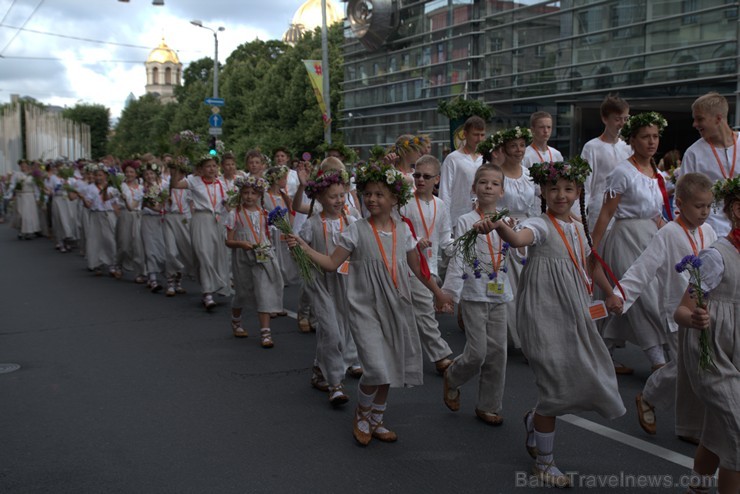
(116, 179)
(277, 218)
(66, 172)
(464, 246)
(692, 265)
(154, 196)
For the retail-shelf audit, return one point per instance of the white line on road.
(623, 438)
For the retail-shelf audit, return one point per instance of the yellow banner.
(316, 76)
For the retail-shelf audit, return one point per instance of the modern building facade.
(402, 56)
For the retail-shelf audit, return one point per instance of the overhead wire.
(24, 25)
(8, 11)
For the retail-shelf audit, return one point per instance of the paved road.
(120, 390)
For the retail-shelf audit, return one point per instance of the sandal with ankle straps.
(236, 328)
(266, 338)
(337, 397)
(380, 431)
(362, 429)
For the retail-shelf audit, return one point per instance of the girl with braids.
(558, 334)
(635, 197)
(381, 317)
(274, 197)
(520, 199)
(404, 153)
(327, 293)
(129, 246)
(718, 387)
(257, 278)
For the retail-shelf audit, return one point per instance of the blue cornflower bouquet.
(278, 218)
(692, 265)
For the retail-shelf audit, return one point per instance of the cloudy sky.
(63, 71)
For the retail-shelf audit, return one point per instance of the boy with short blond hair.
(431, 221)
(687, 235)
(458, 169)
(540, 123)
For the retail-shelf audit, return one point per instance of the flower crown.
(723, 189)
(97, 167)
(206, 157)
(276, 173)
(501, 137)
(636, 122)
(408, 145)
(257, 183)
(321, 180)
(575, 170)
(156, 168)
(387, 174)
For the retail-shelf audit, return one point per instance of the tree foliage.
(98, 118)
(269, 100)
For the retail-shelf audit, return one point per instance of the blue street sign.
(215, 101)
(215, 120)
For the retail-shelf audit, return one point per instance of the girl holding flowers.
(570, 362)
(178, 247)
(208, 195)
(635, 196)
(152, 217)
(381, 316)
(327, 292)
(274, 197)
(257, 278)
(718, 383)
(520, 200)
(484, 287)
(102, 202)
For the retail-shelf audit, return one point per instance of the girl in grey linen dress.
(569, 359)
(256, 275)
(718, 386)
(380, 311)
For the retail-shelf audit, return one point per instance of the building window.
(168, 76)
(688, 7)
(155, 75)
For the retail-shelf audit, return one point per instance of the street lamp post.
(215, 56)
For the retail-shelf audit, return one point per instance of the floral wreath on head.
(722, 189)
(181, 164)
(206, 157)
(387, 174)
(135, 164)
(150, 165)
(505, 135)
(97, 167)
(636, 122)
(257, 183)
(408, 145)
(575, 170)
(321, 180)
(276, 173)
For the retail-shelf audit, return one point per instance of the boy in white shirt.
(432, 226)
(540, 123)
(687, 235)
(603, 153)
(715, 154)
(458, 169)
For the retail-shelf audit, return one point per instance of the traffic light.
(212, 146)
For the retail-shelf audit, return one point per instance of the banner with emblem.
(316, 76)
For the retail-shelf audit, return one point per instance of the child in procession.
(557, 330)
(102, 202)
(152, 230)
(178, 247)
(540, 124)
(381, 319)
(129, 245)
(257, 278)
(486, 290)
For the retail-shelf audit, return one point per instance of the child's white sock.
(364, 400)
(531, 440)
(545, 442)
(656, 355)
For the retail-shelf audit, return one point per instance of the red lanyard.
(392, 270)
(250, 225)
(581, 269)
(178, 199)
(542, 159)
(495, 260)
(214, 199)
(661, 186)
(734, 158)
(323, 224)
(691, 239)
(427, 231)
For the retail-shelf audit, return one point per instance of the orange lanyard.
(497, 262)
(272, 199)
(251, 226)
(691, 239)
(323, 224)
(581, 269)
(427, 231)
(208, 191)
(734, 158)
(391, 270)
(542, 159)
(178, 199)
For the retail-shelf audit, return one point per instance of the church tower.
(163, 72)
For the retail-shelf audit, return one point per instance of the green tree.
(144, 127)
(98, 118)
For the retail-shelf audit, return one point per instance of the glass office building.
(520, 57)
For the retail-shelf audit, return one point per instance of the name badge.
(344, 268)
(261, 257)
(597, 310)
(494, 288)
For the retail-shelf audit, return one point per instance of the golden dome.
(163, 54)
(308, 15)
(292, 35)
